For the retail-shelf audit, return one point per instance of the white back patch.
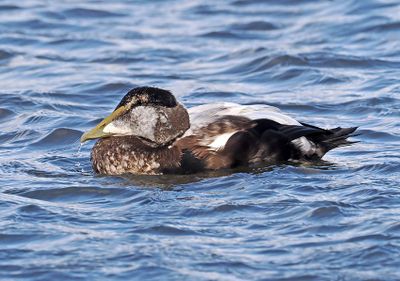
(205, 114)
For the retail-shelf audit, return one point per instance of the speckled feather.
(130, 154)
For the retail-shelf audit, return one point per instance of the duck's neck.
(129, 154)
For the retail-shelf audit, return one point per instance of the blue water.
(65, 64)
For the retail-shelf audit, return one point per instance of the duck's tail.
(333, 138)
(321, 140)
(339, 138)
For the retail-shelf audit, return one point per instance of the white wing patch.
(220, 141)
(203, 115)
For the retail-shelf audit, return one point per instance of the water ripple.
(89, 13)
(65, 65)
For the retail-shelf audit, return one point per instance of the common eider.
(149, 132)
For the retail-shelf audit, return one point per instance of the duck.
(151, 133)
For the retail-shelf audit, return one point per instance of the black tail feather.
(338, 138)
(324, 140)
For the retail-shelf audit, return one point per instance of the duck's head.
(149, 113)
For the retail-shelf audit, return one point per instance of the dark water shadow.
(175, 181)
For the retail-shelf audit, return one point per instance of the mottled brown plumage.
(130, 154)
(149, 133)
(198, 143)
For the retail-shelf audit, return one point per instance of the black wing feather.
(325, 140)
(290, 131)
